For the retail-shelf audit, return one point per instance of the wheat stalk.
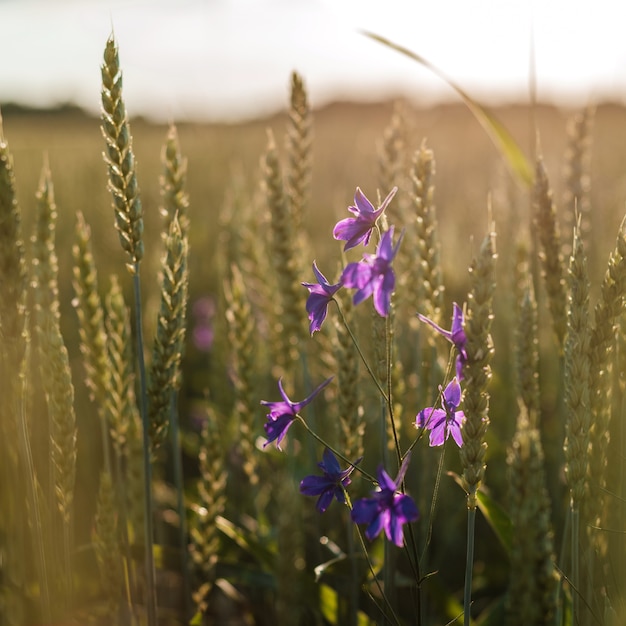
(284, 258)
(531, 597)
(551, 257)
(477, 370)
(165, 375)
(204, 547)
(299, 151)
(241, 333)
(120, 159)
(174, 196)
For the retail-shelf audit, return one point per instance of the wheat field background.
(472, 185)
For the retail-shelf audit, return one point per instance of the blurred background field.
(224, 160)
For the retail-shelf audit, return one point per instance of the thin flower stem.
(336, 452)
(371, 567)
(147, 466)
(469, 564)
(575, 517)
(433, 504)
(356, 345)
(389, 393)
(180, 504)
(353, 607)
(388, 578)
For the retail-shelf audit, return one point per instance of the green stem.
(469, 564)
(29, 473)
(575, 517)
(67, 550)
(433, 503)
(151, 603)
(336, 452)
(388, 349)
(358, 349)
(180, 505)
(377, 582)
(353, 606)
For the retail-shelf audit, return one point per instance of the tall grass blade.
(502, 139)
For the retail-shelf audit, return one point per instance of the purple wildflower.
(354, 230)
(330, 485)
(282, 414)
(447, 421)
(203, 333)
(456, 336)
(374, 275)
(320, 295)
(386, 509)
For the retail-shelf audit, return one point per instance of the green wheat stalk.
(477, 372)
(299, 151)
(531, 598)
(91, 329)
(122, 183)
(577, 401)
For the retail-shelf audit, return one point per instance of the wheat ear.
(577, 163)
(122, 183)
(91, 329)
(578, 414)
(531, 597)
(12, 265)
(299, 151)
(204, 533)
(527, 354)
(120, 159)
(107, 547)
(551, 257)
(285, 260)
(477, 373)
(241, 333)
(120, 403)
(174, 196)
(428, 280)
(45, 264)
(165, 374)
(477, 370)
(602, 342)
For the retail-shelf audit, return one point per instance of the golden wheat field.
(223, 323)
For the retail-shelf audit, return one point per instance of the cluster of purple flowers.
(388, 508)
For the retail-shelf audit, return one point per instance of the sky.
(226, 60)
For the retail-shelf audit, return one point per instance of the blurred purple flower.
(374, 275)
(447, 421)
(321, 293)
(354, 230)
(282, 414)
(330, 485)
(203, 311)
(386, 508)
(455, 336)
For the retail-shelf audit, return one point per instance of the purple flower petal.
(330, 485)
(321, 294)
(454, 428)
(356, 230)
(452, 395)
(455, 336)
(386, 508)
(374, 275)
(447, 421)
(282, 414)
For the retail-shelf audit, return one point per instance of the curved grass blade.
(499, 135)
